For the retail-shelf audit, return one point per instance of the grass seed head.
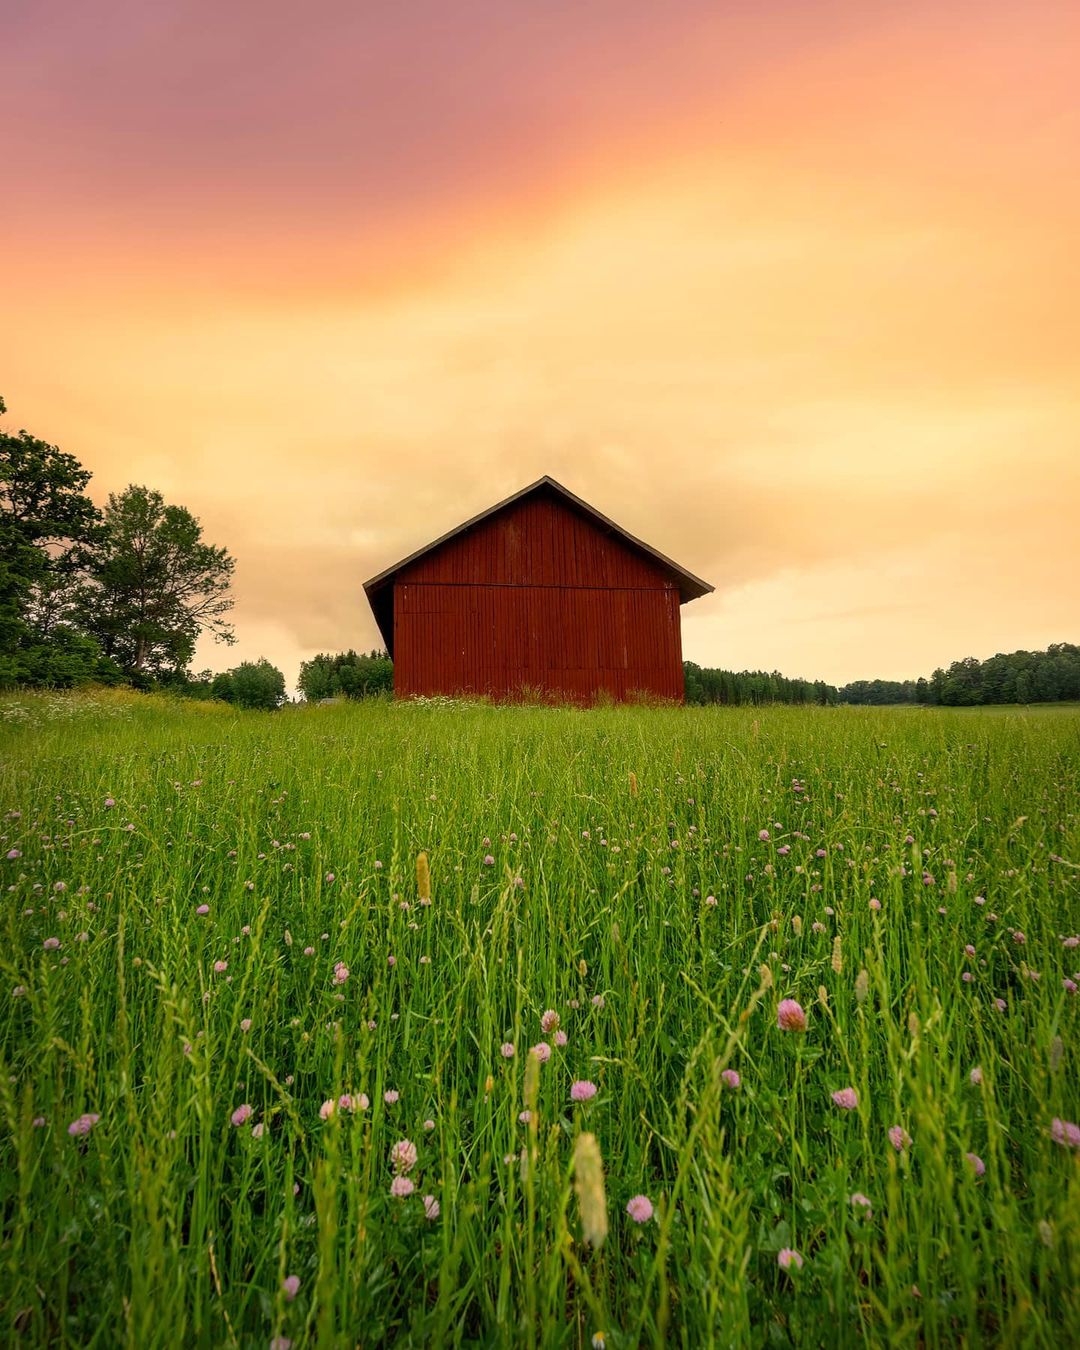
(423, 877)
(589, 1184)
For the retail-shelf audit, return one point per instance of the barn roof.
(379, 589)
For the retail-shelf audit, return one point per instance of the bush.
(252, 684)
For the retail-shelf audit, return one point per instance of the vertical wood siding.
(537, 599)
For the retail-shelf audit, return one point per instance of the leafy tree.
(252, 684)
(349, 673)
(153, 585)
(47, 526)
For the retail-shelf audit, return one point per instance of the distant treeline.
(753, 686)
(1013, 677)
(1016, 677)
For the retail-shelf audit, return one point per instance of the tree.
(47, 526)
(349, 673)
(252, 684)
(153, 586)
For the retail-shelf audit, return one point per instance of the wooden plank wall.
(537, 599)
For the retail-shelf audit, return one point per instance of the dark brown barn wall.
(537, 598)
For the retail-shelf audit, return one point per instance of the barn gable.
(540, 592)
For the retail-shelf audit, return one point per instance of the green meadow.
(313, 1114)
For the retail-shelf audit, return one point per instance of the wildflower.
(391, 961)
(328, 1108)
(489, 861)
(875, 904)
(542, 1051)
(429, 1125)
(341, 972)
(1000, 1004)
(1064, 1132)
(640, 1208)
(87, 1121)
(507, 1050)
(51, 943)
(976, 1163)
(790, 1016)
(431, 1208)
(1068, 985)
(220, 967)
(38, 1122)
(860, 1201)
(345, 1102)
(581, 1090)
(789, 1259)
(1019, 938)
(12, 854)
(598, 1000)
(524, 1117)
(710, 900)
(390, 1096)
(18, 991)
(257, 1130)
(280, 1343)
(362, 1102)
(560, 1038)
(309, 951)
(245, 1024)
(202, 909)
(290, 1287)
(400, 1187)
(598, 1341)
(975, 1077)
(899, 1138)
(109, 803)
(549, 1021)
(403, 1155)
(241, 1115)
(763, 835)
(846, 1098)
(731, 1079)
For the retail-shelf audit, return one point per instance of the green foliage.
(348, 674)
(152, 585)
(47, 526)
(252, 684)
(1019, 677)
(608, 830)
(732, 688)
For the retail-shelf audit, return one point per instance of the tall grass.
(575, 858)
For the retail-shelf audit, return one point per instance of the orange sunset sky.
(790, 290)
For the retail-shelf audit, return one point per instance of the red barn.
(539, 594)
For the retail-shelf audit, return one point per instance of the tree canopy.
(86, 594)
(347, 675)
(152, 585)
(251, 684)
